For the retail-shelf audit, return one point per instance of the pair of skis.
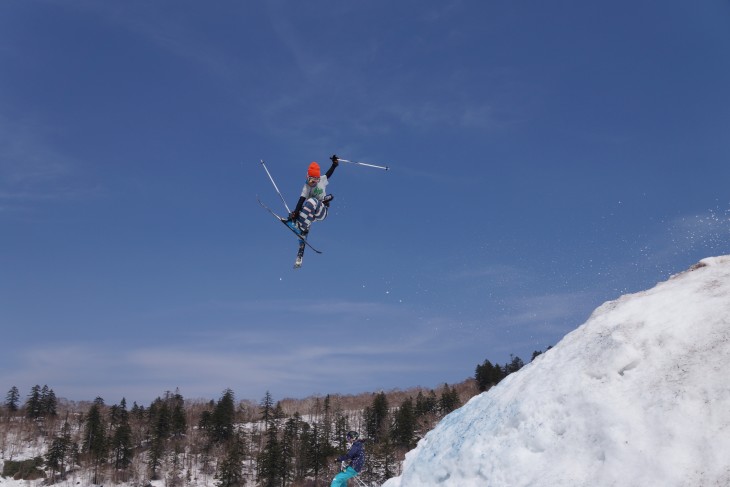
(288, 224)
(302, 239)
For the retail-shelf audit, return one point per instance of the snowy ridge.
(639, 395)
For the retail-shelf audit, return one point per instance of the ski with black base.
(302, 240)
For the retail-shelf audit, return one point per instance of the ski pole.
(364, 164)
(275, 187)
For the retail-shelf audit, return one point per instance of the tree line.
(226, 442)
(223, 443)
(488, 375)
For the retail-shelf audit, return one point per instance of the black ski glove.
(335, 160)
(294, 215)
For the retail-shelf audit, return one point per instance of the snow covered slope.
(637, 396)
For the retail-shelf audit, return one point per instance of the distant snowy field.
(637, 396)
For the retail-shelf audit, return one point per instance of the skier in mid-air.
(355, 458)
(313, 203)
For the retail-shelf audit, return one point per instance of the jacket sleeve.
(347, 456)
(300, 203)
(354, 451)
(330, 171)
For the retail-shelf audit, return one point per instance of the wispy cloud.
(346, 80)
(549, 310)
(247, 363)
(163, 29)
(32, 170)
(311, 64)
(338, 346)
(25, 156)
(504, 272)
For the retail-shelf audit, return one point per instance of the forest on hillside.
(223, 442)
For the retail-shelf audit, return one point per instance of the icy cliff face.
(639, 395)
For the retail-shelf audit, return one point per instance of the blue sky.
(545, 157)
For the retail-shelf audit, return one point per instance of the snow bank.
(637, 396)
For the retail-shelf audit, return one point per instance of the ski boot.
(300, 255)
(293, 225)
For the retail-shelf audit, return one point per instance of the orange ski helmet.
(313, 171)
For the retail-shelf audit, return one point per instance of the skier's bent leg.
(321, 212)
(308, 214)
(341, 478)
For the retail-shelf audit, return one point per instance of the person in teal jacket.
(355, 458)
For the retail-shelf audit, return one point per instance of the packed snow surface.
(639, 395)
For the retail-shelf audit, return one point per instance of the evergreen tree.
(449, 400)
(41, 402)
(159, 418)
(48, 402)
(12, 399)
(174, 477)
(426, 405)
(230, 469)
(382, 461)
(327, 418)
(205, 423)
(267, 408)
(304, 452)
(341, 429)
(486, 376)
(389, 461)
(154, 456)
(223, 418)
(137, 411)
(289, 448)
(270, 457)
(319, 449)
(178, 421)
(420, 406)
(58, 452)
(33, 405)
(95, 442)
(405, 425)
(52, 403)
(121, 438)
(499, 372)
(376, 417)
(514, 365)
(278, 413)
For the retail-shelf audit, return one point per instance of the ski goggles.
(312, 181)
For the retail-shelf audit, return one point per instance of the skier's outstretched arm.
(335, 162)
